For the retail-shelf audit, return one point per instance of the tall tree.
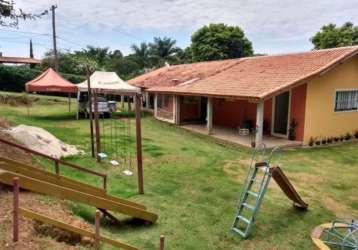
(220, 41)
(142, 55)
(332, 36)
(98, 54)
(163, 50)
(10, 17)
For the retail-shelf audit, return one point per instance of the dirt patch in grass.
(237, 169)
(338, 208)
(34, 235)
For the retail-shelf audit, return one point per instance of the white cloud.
(272, 25)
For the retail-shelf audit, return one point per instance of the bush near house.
(13, 78)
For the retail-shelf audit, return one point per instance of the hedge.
(13, 78)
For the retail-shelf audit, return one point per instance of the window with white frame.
(346, 100)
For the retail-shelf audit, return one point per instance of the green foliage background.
(13, 78)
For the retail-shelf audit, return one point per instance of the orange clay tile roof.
(262, 77)
(26, 60)
(175, 74)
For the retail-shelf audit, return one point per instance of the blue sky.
(273, 26)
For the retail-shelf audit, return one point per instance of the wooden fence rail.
(58, 162)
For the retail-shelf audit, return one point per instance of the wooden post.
(90, 109)
(97, 237)
(139, 143)
(16, 189)
(122, 102)
(27, 104)
(129, 103)
(209, 115)
(162, 242)
(69, 102)
(57, 167)
(96, 124)
(259, 123)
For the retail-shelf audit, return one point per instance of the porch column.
(177, 109)
(147, 100)
(259, 123)
(155, 104)
(209, 115)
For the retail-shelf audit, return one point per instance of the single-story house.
(298, 96)
(172, 75)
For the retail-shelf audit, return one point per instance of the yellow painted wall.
(320, 118)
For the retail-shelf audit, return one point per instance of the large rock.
(40, 140)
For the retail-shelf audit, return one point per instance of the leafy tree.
(185, 55)
(68, 62)
(7, 12)
(98, 54)
(127, 67)
(220, 41)
(142, 55)
(331, 36)
(163, 50)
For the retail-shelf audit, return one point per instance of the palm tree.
(163, 50)
(100, 55)
(142, 55)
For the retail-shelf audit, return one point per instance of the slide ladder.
(251, 198)
(255, 187)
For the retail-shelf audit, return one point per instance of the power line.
(26, 32)
(39, 44)
(68, 41)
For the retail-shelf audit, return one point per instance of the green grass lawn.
(193, 183)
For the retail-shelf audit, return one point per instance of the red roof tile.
(176, 74)
(27, 60)
(261, 77)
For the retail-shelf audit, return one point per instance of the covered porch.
(231, 135)
(275, 121)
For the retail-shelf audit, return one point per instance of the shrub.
(329, 140)
(336, 138)
(324, 141)
(348, 136)
(311, 142)
(318, 142)
(356, 134)
(341, 138)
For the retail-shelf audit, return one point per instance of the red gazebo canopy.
(50, 81)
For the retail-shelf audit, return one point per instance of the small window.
(346, 100)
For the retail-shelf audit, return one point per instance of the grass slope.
(193, 184)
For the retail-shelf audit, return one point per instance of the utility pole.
(53, 7)
(31, 54)
(31, 50)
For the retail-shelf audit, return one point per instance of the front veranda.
(276, 121)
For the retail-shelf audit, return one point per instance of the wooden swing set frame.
(95, 127)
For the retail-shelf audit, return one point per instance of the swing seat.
(102, 155)
(114, 163)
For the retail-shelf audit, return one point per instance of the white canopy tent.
(107, 82)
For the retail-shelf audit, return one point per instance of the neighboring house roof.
(263, 76)
(25, 60)
(50, 81)
(175, 74)
(107, 81)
